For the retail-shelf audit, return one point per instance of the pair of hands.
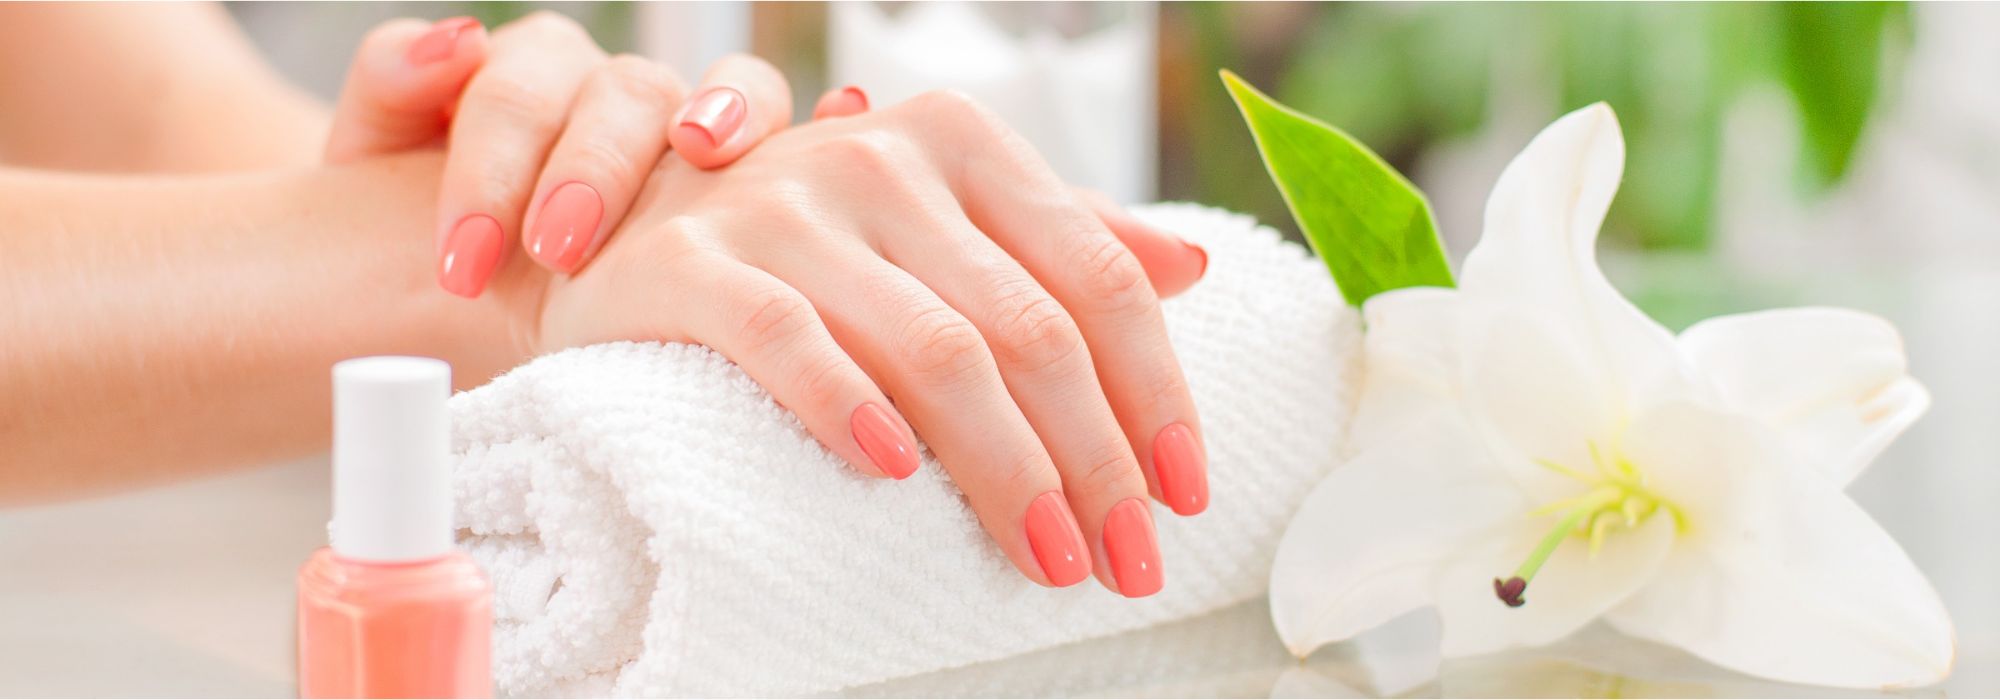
(923, 251)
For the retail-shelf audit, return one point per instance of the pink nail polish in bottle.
(392, 609)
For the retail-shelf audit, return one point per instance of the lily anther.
(1618, 497)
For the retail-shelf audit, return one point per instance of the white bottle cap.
(391, 450)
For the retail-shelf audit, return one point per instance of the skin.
(174, 87)
(156, 340)
(923, 252)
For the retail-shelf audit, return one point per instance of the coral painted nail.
(717, 114)
(1201, 253)
(1057, 541)
(1182, 470)
(440, 42)
(883, 440)
(565, 226)
(856, 98)
(1133, 549)
(471, 252)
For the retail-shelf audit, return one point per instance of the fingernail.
(1200, 252)
(471, 252)
(440, 42)
(564, 227)
(882, 439)
(717, 113)
(856, 94)
(1057, 541)
(1182, 469)
(1134, 551)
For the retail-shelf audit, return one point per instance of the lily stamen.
(1618, 497)
(1510, 591)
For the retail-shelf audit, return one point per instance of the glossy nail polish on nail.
(1199, 252)
(717, 113)
(440, 42)
(857, 95)
(471, 252)
(1056, 540)
(565, 226)
(1182, 470)
(1133, 549)
(883, 440)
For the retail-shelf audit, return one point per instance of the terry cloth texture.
(655, 525)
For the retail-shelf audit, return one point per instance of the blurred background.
(1779, 154)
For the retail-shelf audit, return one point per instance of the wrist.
(480, 337)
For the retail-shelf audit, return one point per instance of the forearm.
(126, 87)
(163, 327)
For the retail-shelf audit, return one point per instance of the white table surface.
(187, 591)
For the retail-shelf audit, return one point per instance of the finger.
(1048, 370)
(772, 332)
(1015, 198)
(761, 324)
(402, 85)
(844, 102)
(944, 379)
(511, 115)
(614, 137)
(741, 100)
(1172, 263)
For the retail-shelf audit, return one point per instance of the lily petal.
(1411, 360)
(1790, 579)
(1530, 390)
(1363, 546)
(1835, 382)
(1572, 589)
(1539, 247)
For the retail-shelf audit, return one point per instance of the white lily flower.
(1532, 437)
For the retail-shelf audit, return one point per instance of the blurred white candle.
(691, 35)
(1087, 103)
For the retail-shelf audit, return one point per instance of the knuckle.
(871, 153)
(961, 119)
(1112, 468)
(772, 316)
(950, 103)
(516, 102)
(820, 379)
(1033, 332)
(646, 80)
(1169, 390)
(890, 165)
(1113, 280)
(1026, 470)
(940, 347)
(749, 66)
(602, 155)
(549, 22)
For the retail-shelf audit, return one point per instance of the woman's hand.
(924, 252)
(550, 139)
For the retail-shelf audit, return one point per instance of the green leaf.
(1832, 56)
(1369, 224)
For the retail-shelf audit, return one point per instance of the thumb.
(403, 85)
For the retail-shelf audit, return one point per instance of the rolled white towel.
(655, 524)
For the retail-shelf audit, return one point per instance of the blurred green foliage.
(610, 23)
(1404, 77)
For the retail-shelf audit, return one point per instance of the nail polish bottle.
(391, 608)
